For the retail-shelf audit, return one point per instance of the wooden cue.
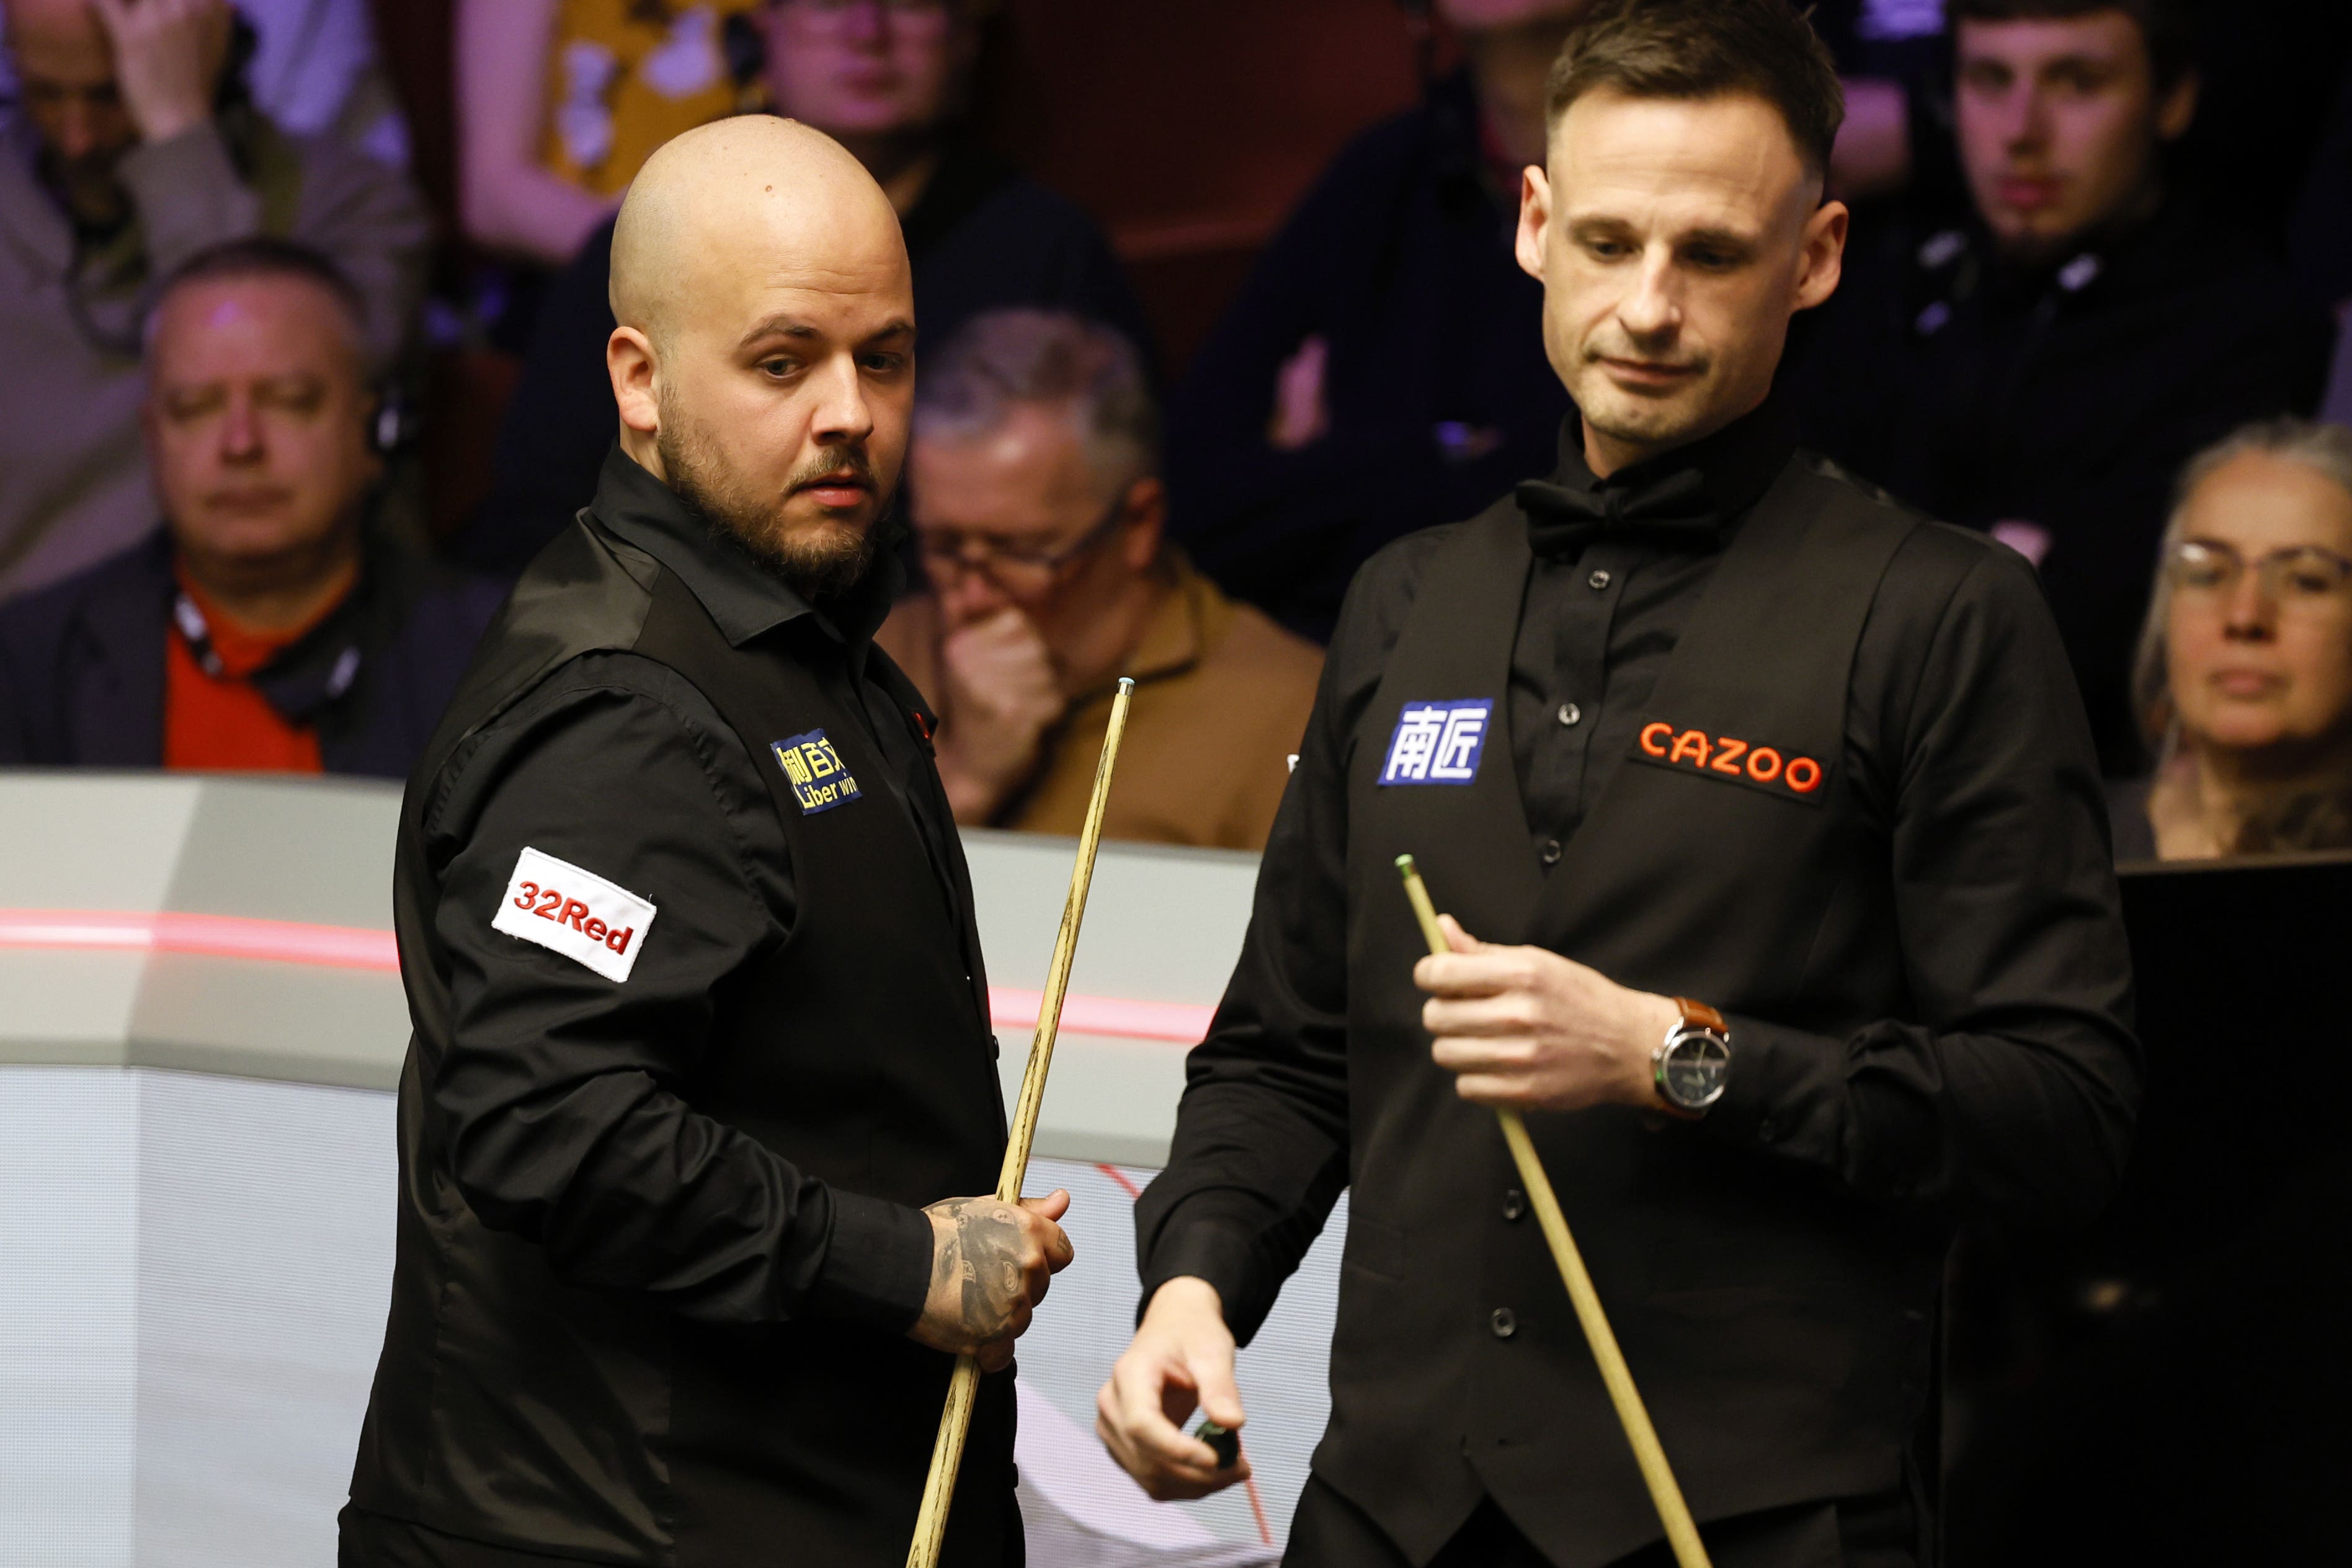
(1673, 1512)
(955, 1421)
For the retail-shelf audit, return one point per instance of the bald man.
(701, 1065)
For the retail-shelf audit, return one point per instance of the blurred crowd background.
(302, 314)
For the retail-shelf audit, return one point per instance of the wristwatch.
(1691, 1065)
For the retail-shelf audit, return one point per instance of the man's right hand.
(1181, 1359)
(990, 1264)
(1002, 695)
(168, 58)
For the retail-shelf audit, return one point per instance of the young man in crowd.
(1780, 902)
(1038, 511)
(891, 83)
(2042, 367)
(264, 624)
(134, 145)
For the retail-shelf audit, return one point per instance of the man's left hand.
(1522, 1026)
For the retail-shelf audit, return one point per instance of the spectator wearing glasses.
(134, 145)
(1037, 507)
(2244, 676)
(2043, 366)
(888, 79)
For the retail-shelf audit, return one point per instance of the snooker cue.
(1673, 1512)
(955, 1421)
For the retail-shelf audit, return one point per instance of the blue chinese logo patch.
(1438, 743)
(814, 769)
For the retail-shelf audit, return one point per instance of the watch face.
(1695, 1070)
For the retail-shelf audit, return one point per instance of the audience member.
(888, 79)
(2043, 368)
(1383, 369)
(315, 71)
(2266, 70)
(262, 626)
(559, 101)
(134, 146)
(1037, 506)
(2244, 679)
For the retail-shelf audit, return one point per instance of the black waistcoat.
(1779, 1331)
(511, 1406)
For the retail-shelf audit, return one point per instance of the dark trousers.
(1329, 1532)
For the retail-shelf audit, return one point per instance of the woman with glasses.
(2244, 675)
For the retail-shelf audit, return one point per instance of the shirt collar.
(1735, 466)
(742, 599)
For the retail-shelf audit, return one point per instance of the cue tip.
(1125, 684)
(1405, 867)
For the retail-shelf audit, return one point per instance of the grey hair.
(1002, 360)
(263, 256)
(2325, 449)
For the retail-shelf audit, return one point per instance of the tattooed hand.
(990, 1264)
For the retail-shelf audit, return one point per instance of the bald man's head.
(735, 187)
(763, 361)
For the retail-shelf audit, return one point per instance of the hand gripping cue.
(955, 1422)
(1681, 1534)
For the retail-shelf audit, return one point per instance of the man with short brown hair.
(1779, 900)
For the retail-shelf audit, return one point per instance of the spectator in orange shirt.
(262, 626)
(1037, 506)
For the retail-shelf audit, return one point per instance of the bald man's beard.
(821, 562)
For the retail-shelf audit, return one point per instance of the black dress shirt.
(616, 763)
(1923, 1120)
(1603, 613)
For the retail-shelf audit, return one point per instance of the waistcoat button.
(1570, 713)
(1552, 852)
(1515, 1203)
(1597, 581)
(1504, 1324)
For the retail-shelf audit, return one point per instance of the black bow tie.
(1673, 509)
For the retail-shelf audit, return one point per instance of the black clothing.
(81, 663)
(980, 238)
(2067, 398)
(2128, 817)
(1438, 391)
(1329, 1532)
(2319, 235)
(1617, 567)
(658, 1234)
(1859, 817)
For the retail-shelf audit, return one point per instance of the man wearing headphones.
(263, 626)
(132, 144)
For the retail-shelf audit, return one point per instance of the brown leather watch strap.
(1699, 1015)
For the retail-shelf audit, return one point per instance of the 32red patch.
(1733, 758)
